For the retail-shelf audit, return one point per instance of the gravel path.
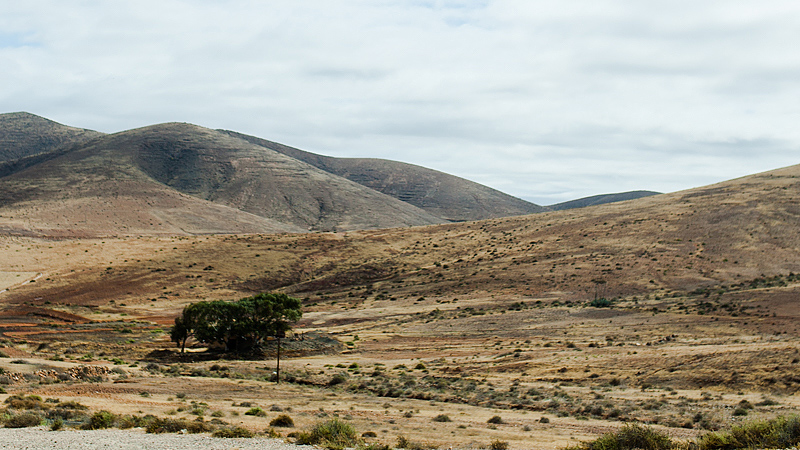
(42, 438)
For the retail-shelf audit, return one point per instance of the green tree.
(241, 326)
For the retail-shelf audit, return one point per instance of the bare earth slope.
(180, 178)
(449, 197)
(23, 134)
(601, 199)
(700, 324)
(230, 171)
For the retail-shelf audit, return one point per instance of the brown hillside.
(469, 320)
(23, 134)
(707, 237)
(443, 195)
(179, 178)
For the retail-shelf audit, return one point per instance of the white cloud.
(547, 100)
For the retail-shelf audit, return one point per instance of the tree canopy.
(238, 326)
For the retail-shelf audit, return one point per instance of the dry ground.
(469, 320)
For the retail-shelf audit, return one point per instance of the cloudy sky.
(545, 100)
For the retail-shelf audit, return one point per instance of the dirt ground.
(679, 311)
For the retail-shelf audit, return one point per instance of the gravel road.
(42, 438)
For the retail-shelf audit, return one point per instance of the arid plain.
(429, 332)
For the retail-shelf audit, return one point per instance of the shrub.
(165, 425)
(21, 402)
(99, 421)
(72, 404)
(498, 445)
(374, 446)
(781, 432)
(235, 432)
(632, 436)
(442, 418)
(331, 434)
(495, 420)
(57, 424)
(740, 411)
(23, 420)
(404, 443)
(282, 421)
(600, 303)
(257, 411)
(337, 379)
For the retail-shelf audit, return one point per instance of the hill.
(61, 180)
(446, 196)
(678, 310)
(23, 134)
(600, 200)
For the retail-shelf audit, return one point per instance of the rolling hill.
(182, 178)
(446, 196)
(672, 310)
(23, 134)
(600, 200)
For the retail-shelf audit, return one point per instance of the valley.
(676, 310)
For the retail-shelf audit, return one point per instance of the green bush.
(495, 420)
(781, 432)
(257, 411)
(282, 421)
(629, 437)
(99, 421)
(235, 432)
(442, 418)
(600, 303)
(332, 434)
(23, 420)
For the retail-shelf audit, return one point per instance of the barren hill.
(23, 134)
(600, 200)
(62, 180)
(449, 197)
(675, 310)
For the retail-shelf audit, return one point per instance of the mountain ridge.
(443, 195)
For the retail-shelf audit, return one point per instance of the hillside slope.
(601, 199)
(446, 196)
(23, 134)
(204, 174)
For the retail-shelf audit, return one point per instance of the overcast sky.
(545, 100)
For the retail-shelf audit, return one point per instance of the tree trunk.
(278, 365)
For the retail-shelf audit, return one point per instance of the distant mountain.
(182, 178)
(601, 199)
(443, 195)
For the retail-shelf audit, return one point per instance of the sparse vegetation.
(630, 437)
(331, 434)
(781, 432)
(235, 432)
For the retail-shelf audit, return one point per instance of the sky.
(545, 100)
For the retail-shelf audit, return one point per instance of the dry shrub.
(781, 432)
(23, 420)
(235, 432)
(282, 421)
(629, 437)
(331, 434)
